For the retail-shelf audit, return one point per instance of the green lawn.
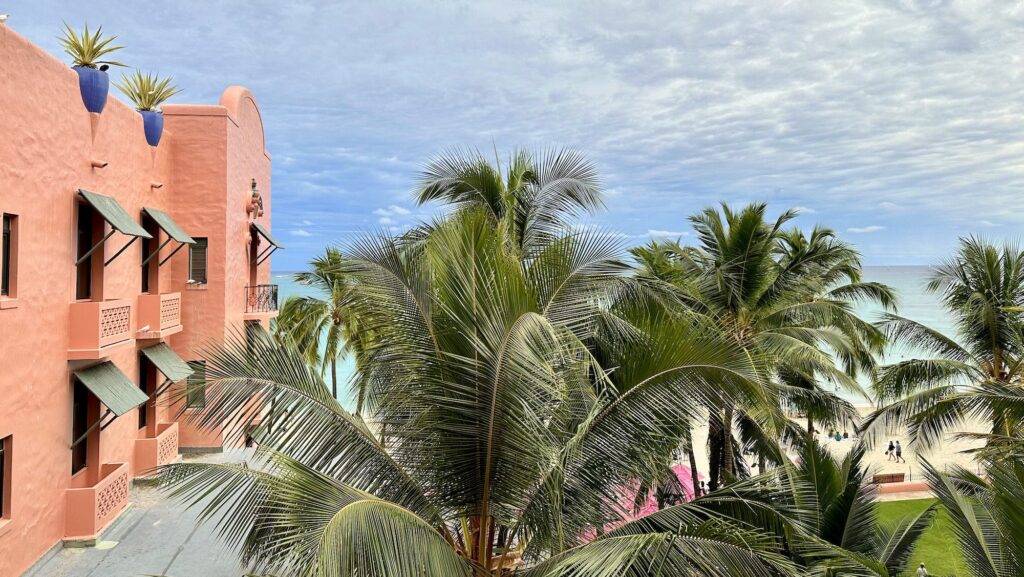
(938, 547)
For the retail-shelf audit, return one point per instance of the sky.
(898, 124)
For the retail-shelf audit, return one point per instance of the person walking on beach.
(899, 453)
(890, 453)
(921, 571)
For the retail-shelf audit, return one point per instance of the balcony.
(159, 450)
(92, 508)
(161, 313)
(260, 302)
(99, 326)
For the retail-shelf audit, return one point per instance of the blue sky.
(899, 124)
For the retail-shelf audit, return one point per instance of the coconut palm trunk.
(728, 450)
(334, 378)
(691, 455)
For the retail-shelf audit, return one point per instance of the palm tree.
(987, 515)
(318, 325)
(843, 512)
(785, 298)
(833, 271)
(507, 448)
(982, 289)
(533, 195)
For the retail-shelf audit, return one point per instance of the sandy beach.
(947, 453)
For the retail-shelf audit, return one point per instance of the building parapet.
(159, 315)
(98, 326)
(91, 509)
(155, 451)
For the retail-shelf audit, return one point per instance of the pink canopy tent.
(682, 473)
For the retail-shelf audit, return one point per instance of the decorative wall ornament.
(255, 206)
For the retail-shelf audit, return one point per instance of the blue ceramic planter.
(94, 85)
(153, 122)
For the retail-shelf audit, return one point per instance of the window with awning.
(173, 368)
(261, 230)
(114, 389)
(119, 221)
(172, 230)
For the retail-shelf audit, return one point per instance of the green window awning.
(112, 387)
(167, 224)
(168, 362)
(114, 213)
(274, 245)
(259, 228)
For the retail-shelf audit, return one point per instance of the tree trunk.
(714, 452)
(728, 454)
(334, 378)
(810, 425)
(694, 475)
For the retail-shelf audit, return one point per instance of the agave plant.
(146, 91)
(88, 49)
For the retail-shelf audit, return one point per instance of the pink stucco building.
(92, 337)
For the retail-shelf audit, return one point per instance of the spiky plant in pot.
(87, 51)
(147, 92)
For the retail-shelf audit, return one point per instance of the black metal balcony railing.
(261, 298)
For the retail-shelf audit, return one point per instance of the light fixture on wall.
(99, 163)
(155, 185)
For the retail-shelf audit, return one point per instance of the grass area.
(937, 548)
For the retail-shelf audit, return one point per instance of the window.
(197, 261)
(146, 249)
(83, 276)
(195, 394)
(151, 268)
(7, 255)
(144, 386)
(5, 478)
(79, 425)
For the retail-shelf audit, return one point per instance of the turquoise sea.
(909, 282)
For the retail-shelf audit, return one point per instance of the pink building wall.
(205, 162)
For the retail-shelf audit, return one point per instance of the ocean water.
(908, 281)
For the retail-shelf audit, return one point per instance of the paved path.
(156, 536)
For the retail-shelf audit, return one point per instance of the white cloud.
(989, 223)
(306, 223)
(392, 210)
(386, 220)
(865, 229)
(300, 232)
(666, 233)
(798, 102)
(804, 210)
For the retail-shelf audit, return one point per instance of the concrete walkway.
(155, 536)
